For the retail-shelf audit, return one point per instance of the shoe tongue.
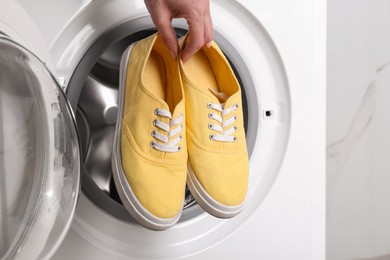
(222, 97)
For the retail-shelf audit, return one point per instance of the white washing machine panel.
(18, 25)
(266, 89)
(281, 68)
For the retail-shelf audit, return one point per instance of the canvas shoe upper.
(150, 152)
(218, 158)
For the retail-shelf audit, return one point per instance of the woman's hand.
(197, 14)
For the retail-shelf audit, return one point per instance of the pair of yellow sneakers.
(178, 124)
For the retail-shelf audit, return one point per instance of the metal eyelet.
(235, 127)
(181, 137)
(153, 133)
(234, 139)
(152, 144)
(156, 111)
(155, 122)
(211, 126)
(235, 106)
(211, 137)
(209, 105)
(235, 118)
(210, 115)
(179, 148)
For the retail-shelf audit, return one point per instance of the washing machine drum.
(39, 157)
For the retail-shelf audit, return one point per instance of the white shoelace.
(224, 136)
(171, 130)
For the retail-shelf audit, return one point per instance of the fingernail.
(208, 45)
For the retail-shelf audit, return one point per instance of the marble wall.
(358, 129)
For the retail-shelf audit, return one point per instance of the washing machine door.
(39, 157)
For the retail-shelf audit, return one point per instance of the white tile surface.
(358, 169)
(358, 129)
(380, 222)
(353, 43)
(350, 186)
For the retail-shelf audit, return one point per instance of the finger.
(196, 42)
(149, 5)
(168, 34)
(208, 30)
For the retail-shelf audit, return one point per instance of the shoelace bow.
(174, 128)
(224, 135)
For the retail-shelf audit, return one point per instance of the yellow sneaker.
(150, 158)
(217, 153)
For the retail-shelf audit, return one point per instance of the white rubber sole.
(209, 204)
(129, 200)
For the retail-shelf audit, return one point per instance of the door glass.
(39, 157)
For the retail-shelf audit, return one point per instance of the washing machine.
(69, 209)
(39, 147)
